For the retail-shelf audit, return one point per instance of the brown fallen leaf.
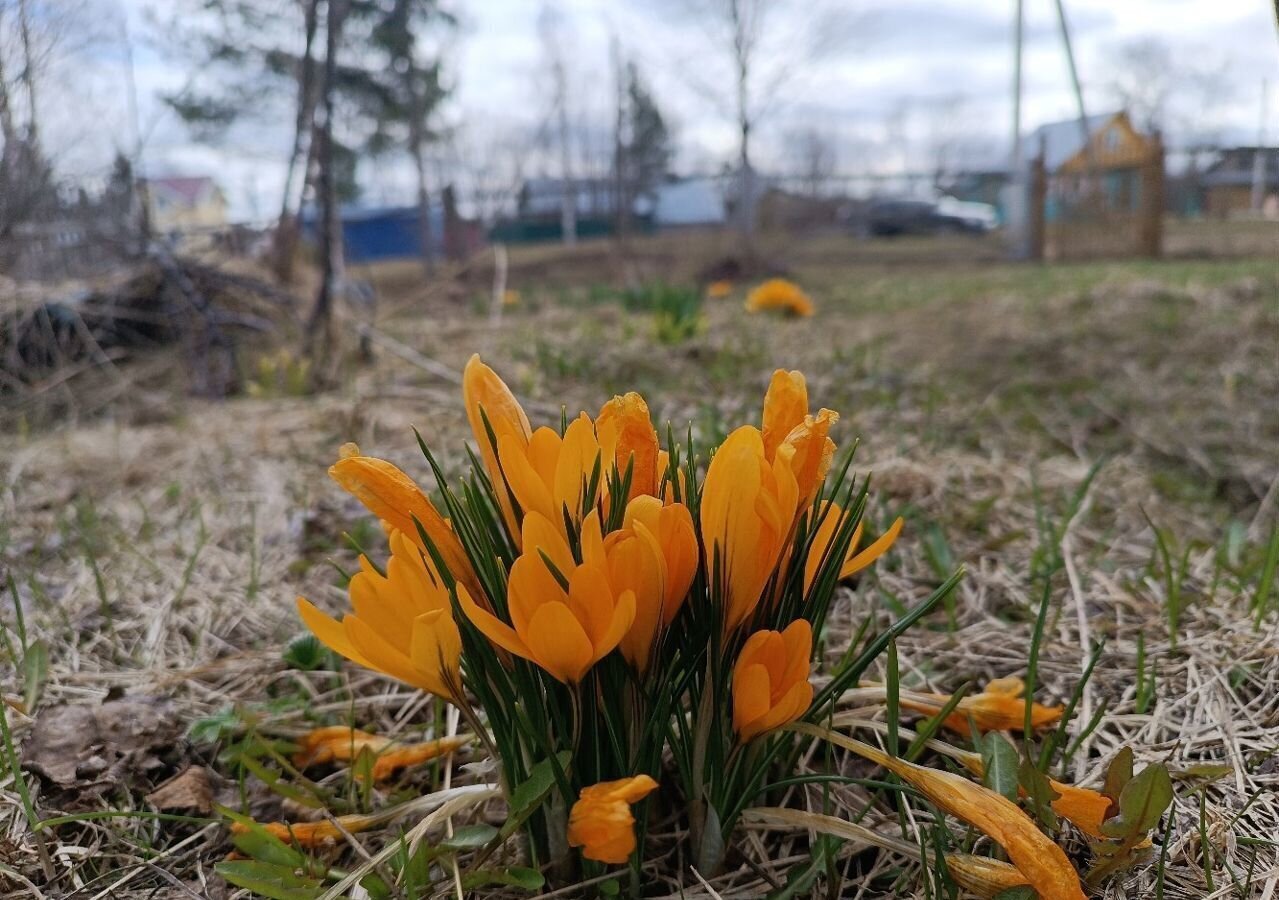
(190, 789)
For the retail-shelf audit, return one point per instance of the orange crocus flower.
(396, 499)
(1000, 707)
(401, 623)
(787, 421)
(601, 822)
(770, 680)
(550, 474)
(747, 509)
(563, 630)
(486, 397)
(830, 518)
(627, 438)
(779, 294)
(655, 555)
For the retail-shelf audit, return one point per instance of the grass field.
(1110, 428)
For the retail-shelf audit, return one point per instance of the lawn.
(1093, 442)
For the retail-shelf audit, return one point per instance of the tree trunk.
(29, 79)
(319, 328)
(286, 229)
(417, 149)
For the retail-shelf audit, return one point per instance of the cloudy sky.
(885, 80)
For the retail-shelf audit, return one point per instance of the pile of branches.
(55, 347)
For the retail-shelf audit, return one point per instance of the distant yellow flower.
(396, 499)
(1000, 707)
(747, 509)
(628, 439)
(655, 555)
(770, 680)
(601, 822)
(830, 519)
(563, 630)
(718, 289)
(780, 295)
(488, 399)
(338, 743)
(401, 624)
(510, 297)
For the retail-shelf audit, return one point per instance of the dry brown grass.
(160, 558)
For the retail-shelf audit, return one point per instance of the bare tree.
(550, 25)
(814, 158)
(762, 46)
(1175, 92)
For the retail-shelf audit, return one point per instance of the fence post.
(1150, 238)
(1038, 208)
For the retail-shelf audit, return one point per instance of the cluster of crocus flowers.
(779, 295)
(567, 566)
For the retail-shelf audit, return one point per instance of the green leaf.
(214, 728)
(1000, 763)
(270, 880)
(515, 876)
(1024, 892)
(1118, 774)
(711, 852)
(260, 844)
(35, 667)
(1039, 794)
(610, 888)
(306, 653)
(468, 837)
(1141, 805)
(528, 795)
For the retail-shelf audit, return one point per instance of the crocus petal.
(492, 627)
(873, 552)
(785, 405)
(628, 439)
(330, 632)
(486, 396)
(558, 644)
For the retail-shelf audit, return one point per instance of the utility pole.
(1258, 197)
(1015, 192)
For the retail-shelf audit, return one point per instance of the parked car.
(944, 215)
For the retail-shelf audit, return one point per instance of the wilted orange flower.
(601, 822)
(486, 397)
(1000, 707)
(748, 506)
(983, 876)
(396, 499)
(401, 623)
(829, 519)
(770, 680)
(718, 289)
(628, 439)
(1041, 861)
(308, 835)
(549, 474)
(1086, 809)
(781, 295)
(338, 743)
(563, 630)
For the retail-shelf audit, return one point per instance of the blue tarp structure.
(375, 233)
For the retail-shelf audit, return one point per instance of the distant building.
(1227, 183)
(185, 204)
(376, 233)
(690, 202)
(1105, 152)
